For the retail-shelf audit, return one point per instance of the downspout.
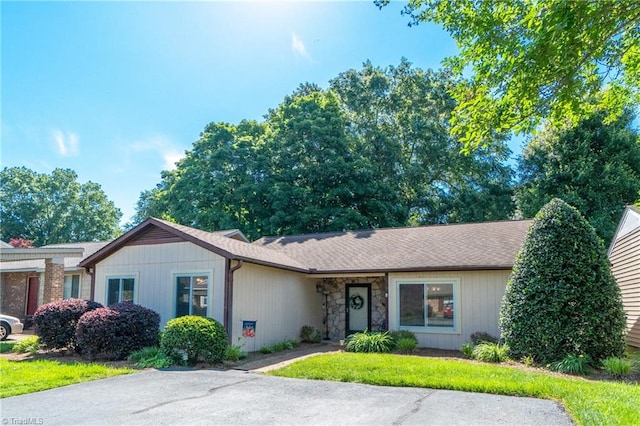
(92, 273)
(386, 302)
(228, 296)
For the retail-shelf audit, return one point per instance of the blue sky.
(117, 91)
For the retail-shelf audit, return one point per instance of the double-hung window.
(71, 287)
(120, 289)
(192, 294)
(428, 305)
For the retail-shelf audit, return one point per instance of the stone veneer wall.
(14, 293)
(336, 300)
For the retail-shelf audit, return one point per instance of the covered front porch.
(353, 303)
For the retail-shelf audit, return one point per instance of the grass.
(280, 346)
(20, 377)
(587, 402)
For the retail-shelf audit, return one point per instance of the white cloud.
(66, 142)
(165, 148)
(298, 47)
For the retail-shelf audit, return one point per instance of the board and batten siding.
(154, 268)
(625, 261)
(478, 305)
(280, 302)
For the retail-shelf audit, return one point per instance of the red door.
(33, 287)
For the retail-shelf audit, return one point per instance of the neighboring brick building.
(32, 277)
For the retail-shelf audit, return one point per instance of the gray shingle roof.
(488, 245)
(69, 262)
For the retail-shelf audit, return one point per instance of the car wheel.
(4, 331)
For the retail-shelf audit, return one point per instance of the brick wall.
(14, 293)
(53, 281)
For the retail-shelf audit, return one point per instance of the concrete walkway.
(232, 397)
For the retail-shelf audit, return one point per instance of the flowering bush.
(56, 321)
(118, 330)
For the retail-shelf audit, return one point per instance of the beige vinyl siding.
(154, 268)
(625, 261)
(478, 305)
(280, 301)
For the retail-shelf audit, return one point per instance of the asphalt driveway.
(211, 397)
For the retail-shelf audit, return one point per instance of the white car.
(9, 325)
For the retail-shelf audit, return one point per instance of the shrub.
(29, 345)
(482, 336)
(56, 321)
(406, 345)
(403, 334)
(150, 357)
(467, 350)
(561, 298)
(367, 341)
(491, 352)
(192, 338)
(572, 364)
(117, 330)
(280, 346)
(234, 353)
(310, 334)
(618, 367)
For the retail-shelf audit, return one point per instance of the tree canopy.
(593, 166)
(372, 150)
(561, 298)
(533, 61)
(54, 208)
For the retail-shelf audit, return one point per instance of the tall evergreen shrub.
(561, 298)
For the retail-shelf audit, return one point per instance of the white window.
(431, 306)
(120, 289)
(71, 287)
(192, 292)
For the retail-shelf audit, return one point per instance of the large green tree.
(400, 118)
(593, 166)
(54, 208)
(561, 298)
(372, 150)
(535, 60)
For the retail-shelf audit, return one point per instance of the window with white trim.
(120, 289)
(428, 305)
(191, 294)
(71, 287)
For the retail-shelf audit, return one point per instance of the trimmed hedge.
(118, 330)
(561, 298)
(192, 338)
(56, 321)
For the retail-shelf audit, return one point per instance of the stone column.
(53, 280)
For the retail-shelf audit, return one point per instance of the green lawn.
(20, 377)
(587, 402)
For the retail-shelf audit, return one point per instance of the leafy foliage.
(539, 60)
(55, 208)
(310, 334)
(20, 243)
(30, 345)
(561, 298)
(467, 350)
(572, 364)
(482, 336)
(370, 341)
(150, 357)
(117, 330)
(280, 346)
(406, 345)
(371, 151)
(403, 334)
(618, 367)
(56, 321)
(491, 352)
(192, 338)
(234, 353)
(593, 166)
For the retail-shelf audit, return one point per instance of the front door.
(33, 287)
(358, 305)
